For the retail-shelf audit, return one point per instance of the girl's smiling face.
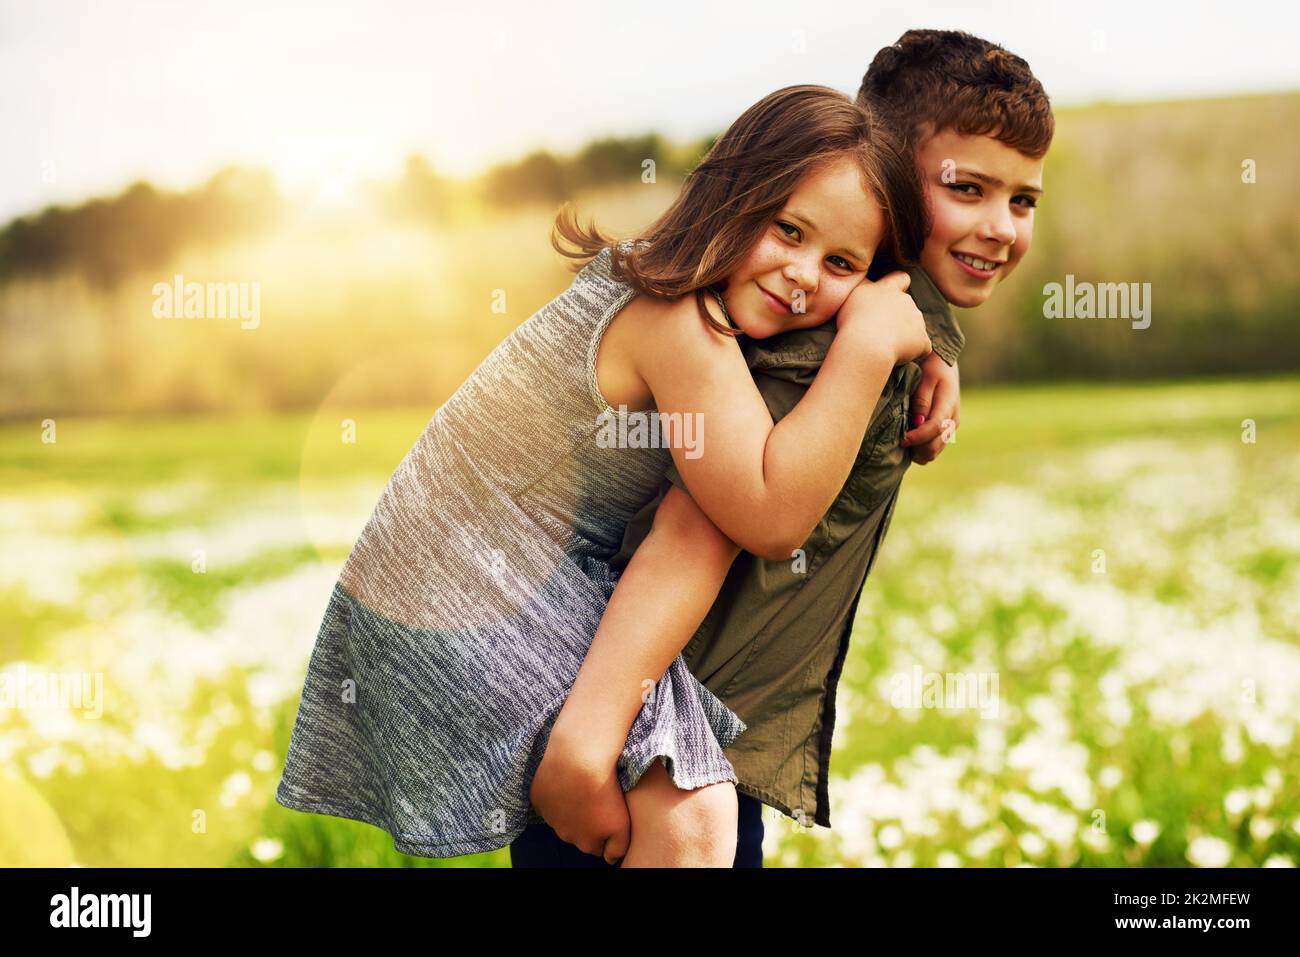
(821, 242)
(981, 194)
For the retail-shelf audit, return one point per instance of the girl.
(465, 610)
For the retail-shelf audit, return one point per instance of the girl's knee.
(676, 827)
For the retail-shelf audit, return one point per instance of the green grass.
(1122, 694)
(177, 588)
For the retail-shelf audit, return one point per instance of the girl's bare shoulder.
(672, 325)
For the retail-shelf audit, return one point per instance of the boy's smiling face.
(981, 194)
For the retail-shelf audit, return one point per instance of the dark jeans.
(539, 846)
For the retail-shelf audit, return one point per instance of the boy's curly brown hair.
(933, 80)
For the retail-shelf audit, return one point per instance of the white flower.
(1145, 831)
(266, 849)
(1032, 844)
(234, 787)
(1279, 860)
(890, 836)
(1236, 801)
(1095, 839)
(1232, 750)
(981, 845)
(1262, 828)
(1208, 851)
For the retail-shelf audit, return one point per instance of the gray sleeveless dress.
(467, 605)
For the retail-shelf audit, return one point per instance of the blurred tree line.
(143, 227)
(421, 194)
(1196, 198)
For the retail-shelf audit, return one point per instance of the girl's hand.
(936, 406)
(581, 799)
(886, 314)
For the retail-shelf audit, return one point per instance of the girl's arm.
(766, 486)
(663, 595)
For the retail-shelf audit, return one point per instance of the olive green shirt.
(773, 645)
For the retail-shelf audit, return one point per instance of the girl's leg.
(672, 827)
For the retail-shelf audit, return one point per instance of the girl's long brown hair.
(743, 182)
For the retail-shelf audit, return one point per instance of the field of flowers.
(1121, 564)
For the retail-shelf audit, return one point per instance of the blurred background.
(1115, 533)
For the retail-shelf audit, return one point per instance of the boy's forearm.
(664, 594)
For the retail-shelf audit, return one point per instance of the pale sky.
(96, 94)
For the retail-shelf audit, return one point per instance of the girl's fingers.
(935, 434)
(922, 399)
(897, 278)
(616, 846)
(923, 434)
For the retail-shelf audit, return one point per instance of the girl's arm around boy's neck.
(767, 486)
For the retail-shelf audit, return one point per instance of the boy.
(773, 644)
